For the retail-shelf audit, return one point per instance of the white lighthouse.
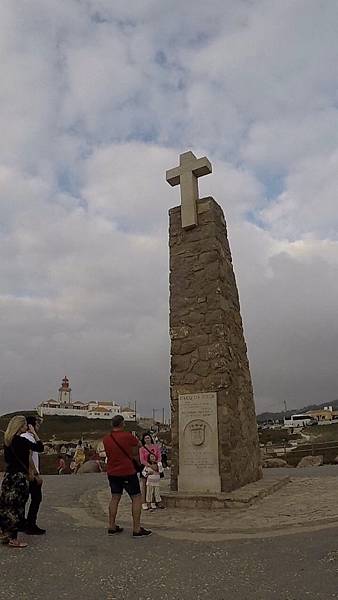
(65, 392)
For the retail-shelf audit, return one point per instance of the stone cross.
(186, 176)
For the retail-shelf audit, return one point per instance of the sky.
(97, 100)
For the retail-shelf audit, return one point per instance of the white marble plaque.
(198, 443)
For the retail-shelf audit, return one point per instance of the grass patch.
(322, 433)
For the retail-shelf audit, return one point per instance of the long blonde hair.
(13, 427)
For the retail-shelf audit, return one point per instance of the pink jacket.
(153, 449)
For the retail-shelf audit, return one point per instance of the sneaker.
(145, 506)
(117, 529)
(34, 530)
(153, 505)
(143, 532)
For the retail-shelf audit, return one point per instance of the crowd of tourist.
(133, 465)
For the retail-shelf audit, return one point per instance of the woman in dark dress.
(14, 489)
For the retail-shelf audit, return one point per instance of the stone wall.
(208, 350)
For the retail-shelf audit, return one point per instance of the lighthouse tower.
(65, 392)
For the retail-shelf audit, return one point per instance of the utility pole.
(285, 407)
(163, 416)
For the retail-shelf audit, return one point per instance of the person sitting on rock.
(61, 465)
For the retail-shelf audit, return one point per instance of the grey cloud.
(97, 101)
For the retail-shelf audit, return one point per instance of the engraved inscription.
(198, 442)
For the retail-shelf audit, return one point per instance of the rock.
(272, 463)
(310, 461)
(91, 466)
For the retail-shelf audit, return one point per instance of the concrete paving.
(77, 559)
(304, 501)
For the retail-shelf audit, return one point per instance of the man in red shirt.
(122, 450)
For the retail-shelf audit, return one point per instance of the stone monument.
(214, 431)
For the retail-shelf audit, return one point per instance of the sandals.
(117, 529)
(16, 544)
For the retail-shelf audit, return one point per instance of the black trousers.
(35, 492)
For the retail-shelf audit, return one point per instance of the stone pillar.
(214, 432)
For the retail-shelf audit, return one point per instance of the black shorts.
(130, 483)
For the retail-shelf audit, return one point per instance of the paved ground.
(78, 560)
(308, 501)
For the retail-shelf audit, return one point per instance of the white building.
(91, 410)
(102, 410)
(72, 409)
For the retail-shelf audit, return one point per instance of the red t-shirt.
(117, 462)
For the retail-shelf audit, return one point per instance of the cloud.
(288, 296)
(97, 100)
(307, 206)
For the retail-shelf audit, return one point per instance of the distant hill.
(68, 428)
(266, 416)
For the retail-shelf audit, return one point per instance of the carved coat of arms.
(197, 432)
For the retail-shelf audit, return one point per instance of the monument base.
(189, 484)
(240, 498)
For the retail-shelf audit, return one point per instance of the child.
(153, 496)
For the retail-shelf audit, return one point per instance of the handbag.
(136, 464)
(160, 470)
(145, 472)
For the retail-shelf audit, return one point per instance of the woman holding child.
(147, 449)
(153, 478)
